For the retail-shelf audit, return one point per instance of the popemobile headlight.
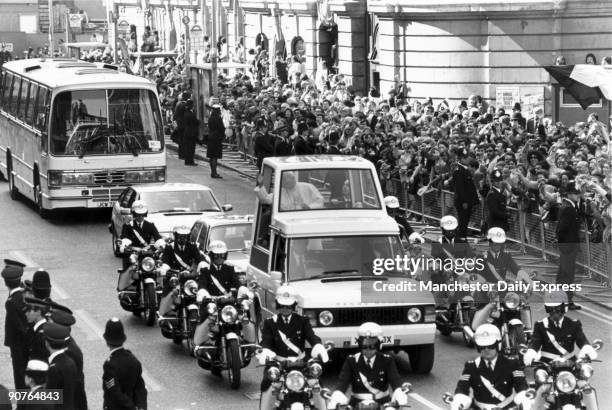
(566, 382)
(295, 381)
(133, 259)
(315, 370)
(585, 371)
(229, 314)
(541, 376)
(211, 308)
(326, 318)
(273, 374)
(414, 315)
(147, 264)
(512, 300)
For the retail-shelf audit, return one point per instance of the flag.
(587, 83)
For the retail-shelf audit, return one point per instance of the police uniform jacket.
(188, 254)
(502, 263)
(405, 228)
(281, 148)
(457, 247)
(122, 382)
(301, 147)
(334, 150)
(569, 223)
(380, 376)
(465, 189)
(63, 375)
(566, 337)
(298, 331)
(497, 212)
(35, 406)
(75, 353)
(226, 276)
(37, 349)
(148, 232)
(506, 376)
(16, 324)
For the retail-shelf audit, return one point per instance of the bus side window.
(2, 87)
(41, 108)
(29, 117)
(14, 109)
(7, 92)
(24, 99)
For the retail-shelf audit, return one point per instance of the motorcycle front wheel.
(234, 363)
(150, 303)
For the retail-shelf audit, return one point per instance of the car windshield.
(103, 122)
(236, 237)
(311, 258)
(328, 189)
(180, 201)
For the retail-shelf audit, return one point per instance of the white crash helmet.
(368, 331)
(391, 202)
(449, 223)
(217, 248)
(286, 295)
(139, 208)
(555, 299)
(486, 335)
(179, 231)
(496, 235)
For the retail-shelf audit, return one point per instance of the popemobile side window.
(264, 211)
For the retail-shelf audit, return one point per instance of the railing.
(526, 229)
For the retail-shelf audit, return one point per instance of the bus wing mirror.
(276, 276)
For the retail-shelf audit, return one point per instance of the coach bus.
(74, 134)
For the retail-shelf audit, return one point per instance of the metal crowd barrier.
(526, 229)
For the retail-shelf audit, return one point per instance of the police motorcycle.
(227, 348)
(180, 325)
(138, 286)
(563, 383)
(369, 404)
(295, 381)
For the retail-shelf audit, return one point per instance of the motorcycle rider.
(449, 245)
(554, 338)
(139, 232)
(498, 264)
(490, 376)
(392, 204)
(370, 373)
(218, 279)
(182, 256)
(285, 335)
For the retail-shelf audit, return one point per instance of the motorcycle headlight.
(541, 376)
(211, 308)
(295, 381)
(315, 370)
(414, 315)
(568, 407)
(133, 259)
(190, 288)
(512, 300)
(326, 318)
(273, 374)
(566, 382)
(229, 314)
(585, 371)
(147, 264)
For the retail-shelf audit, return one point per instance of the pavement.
(593, 291)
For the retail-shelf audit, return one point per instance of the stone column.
(352, 47)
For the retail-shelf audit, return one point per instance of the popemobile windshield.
(320, 223)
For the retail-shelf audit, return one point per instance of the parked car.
(234, 230)
(169, 205)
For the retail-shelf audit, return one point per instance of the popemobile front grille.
(112, 177)
(392, 315)
(106, 195)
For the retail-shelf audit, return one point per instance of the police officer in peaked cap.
(15, 324)
(62, 373)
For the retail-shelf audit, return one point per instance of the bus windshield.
(105, 121)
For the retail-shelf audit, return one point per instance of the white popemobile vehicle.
(320, 224)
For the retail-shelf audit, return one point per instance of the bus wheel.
(11, 181)
(44, 213)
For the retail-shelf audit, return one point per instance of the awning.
(587, 83)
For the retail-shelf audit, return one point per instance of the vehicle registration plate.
(101, 204)
(388, 340)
